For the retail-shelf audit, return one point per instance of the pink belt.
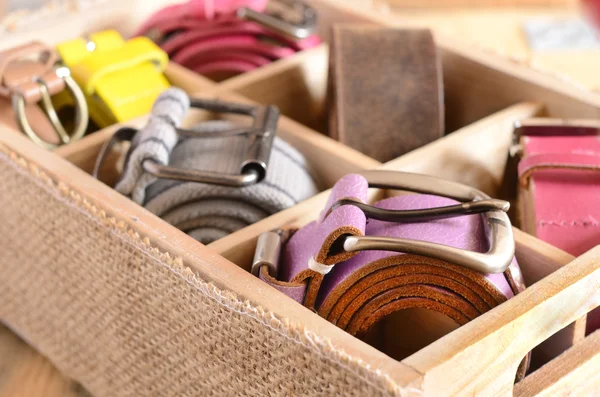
(227, 36)
(559, 183)
(450, 250)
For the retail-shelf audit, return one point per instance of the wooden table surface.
(25, 373)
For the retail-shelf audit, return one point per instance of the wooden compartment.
(453, 158)
(438, 369)
(476, 83)
(482, 91)
(476, 154)
(329, 160)
(485, 95)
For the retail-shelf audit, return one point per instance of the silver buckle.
(252, 170)
(275, 17)
(498, 230)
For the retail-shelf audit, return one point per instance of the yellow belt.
(120, 79)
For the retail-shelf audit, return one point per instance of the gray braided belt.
(208, 211)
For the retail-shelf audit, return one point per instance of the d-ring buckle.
(278, 22)
(81, 112)
(252, 170)
(44, 69)
(498, 230)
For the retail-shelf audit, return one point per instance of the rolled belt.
(221, 42)
(209, 211)
(326, 265)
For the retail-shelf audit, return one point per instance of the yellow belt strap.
(120, 79)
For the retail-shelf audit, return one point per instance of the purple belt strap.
(354, 290)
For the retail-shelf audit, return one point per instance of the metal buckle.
(552, 127)
(499, 230)
(252, 170)
(46, 64)
(275, 17)
(81, 112)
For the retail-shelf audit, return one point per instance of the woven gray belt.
(209, 211)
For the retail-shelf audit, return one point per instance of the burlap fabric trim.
(124, 319)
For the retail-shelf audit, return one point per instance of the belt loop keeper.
(319, 267)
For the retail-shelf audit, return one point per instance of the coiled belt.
(229, 36)
(216, 178)
(449, 251)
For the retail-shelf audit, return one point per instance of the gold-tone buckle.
(37, 71)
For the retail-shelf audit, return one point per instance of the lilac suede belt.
(354, 269)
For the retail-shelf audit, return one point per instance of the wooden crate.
(484, 96)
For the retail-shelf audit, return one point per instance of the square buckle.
(275, 18)
(498, 230)
(252, 170)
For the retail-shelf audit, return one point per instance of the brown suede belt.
(385, 90)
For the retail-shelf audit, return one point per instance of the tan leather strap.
(27, 77)
(23, 67)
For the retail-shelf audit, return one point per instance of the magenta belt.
(358, 263)
(226, 36)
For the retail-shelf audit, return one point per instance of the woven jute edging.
(123, 318)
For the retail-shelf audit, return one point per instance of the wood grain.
(26, 373)
(499, 339)
(578, 366)
(296, 85)
(501, 30)
(454, 157)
